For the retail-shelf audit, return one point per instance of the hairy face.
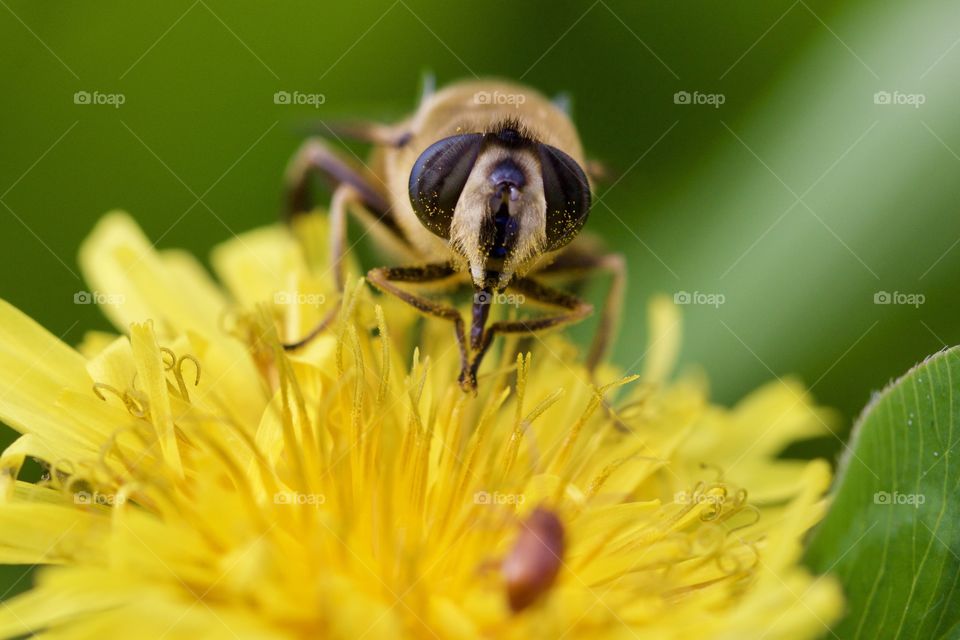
(501, 199)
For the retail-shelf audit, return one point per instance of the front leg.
(481, 336)
(385, 279)
(574, 310)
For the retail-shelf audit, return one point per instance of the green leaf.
(892, 535)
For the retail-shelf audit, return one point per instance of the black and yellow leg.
(344, 198)
(580, 265)
(354, 192)
(386, 278)
(574, 310)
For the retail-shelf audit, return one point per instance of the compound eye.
(438, 177)
(567, 192)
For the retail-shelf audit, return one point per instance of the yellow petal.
(118, 261)
(42, 533)
(26, 342)
(38, 369)
(663, 346)
(256, 265)
(151, 375)
(94, 342)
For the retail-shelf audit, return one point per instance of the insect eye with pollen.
(567, 193)
(438, 178)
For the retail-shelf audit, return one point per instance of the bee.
(485, 185)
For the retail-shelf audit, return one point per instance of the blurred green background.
(796, 201)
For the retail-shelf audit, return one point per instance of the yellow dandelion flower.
(202, 483)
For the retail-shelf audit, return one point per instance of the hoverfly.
(485, 185)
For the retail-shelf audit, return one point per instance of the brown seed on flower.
(532, 565)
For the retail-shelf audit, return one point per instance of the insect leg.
(385, 279)
(581, 265)
(347, 200)
(344, 196)
(574, 310)
(355, 194)
(315, 157)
